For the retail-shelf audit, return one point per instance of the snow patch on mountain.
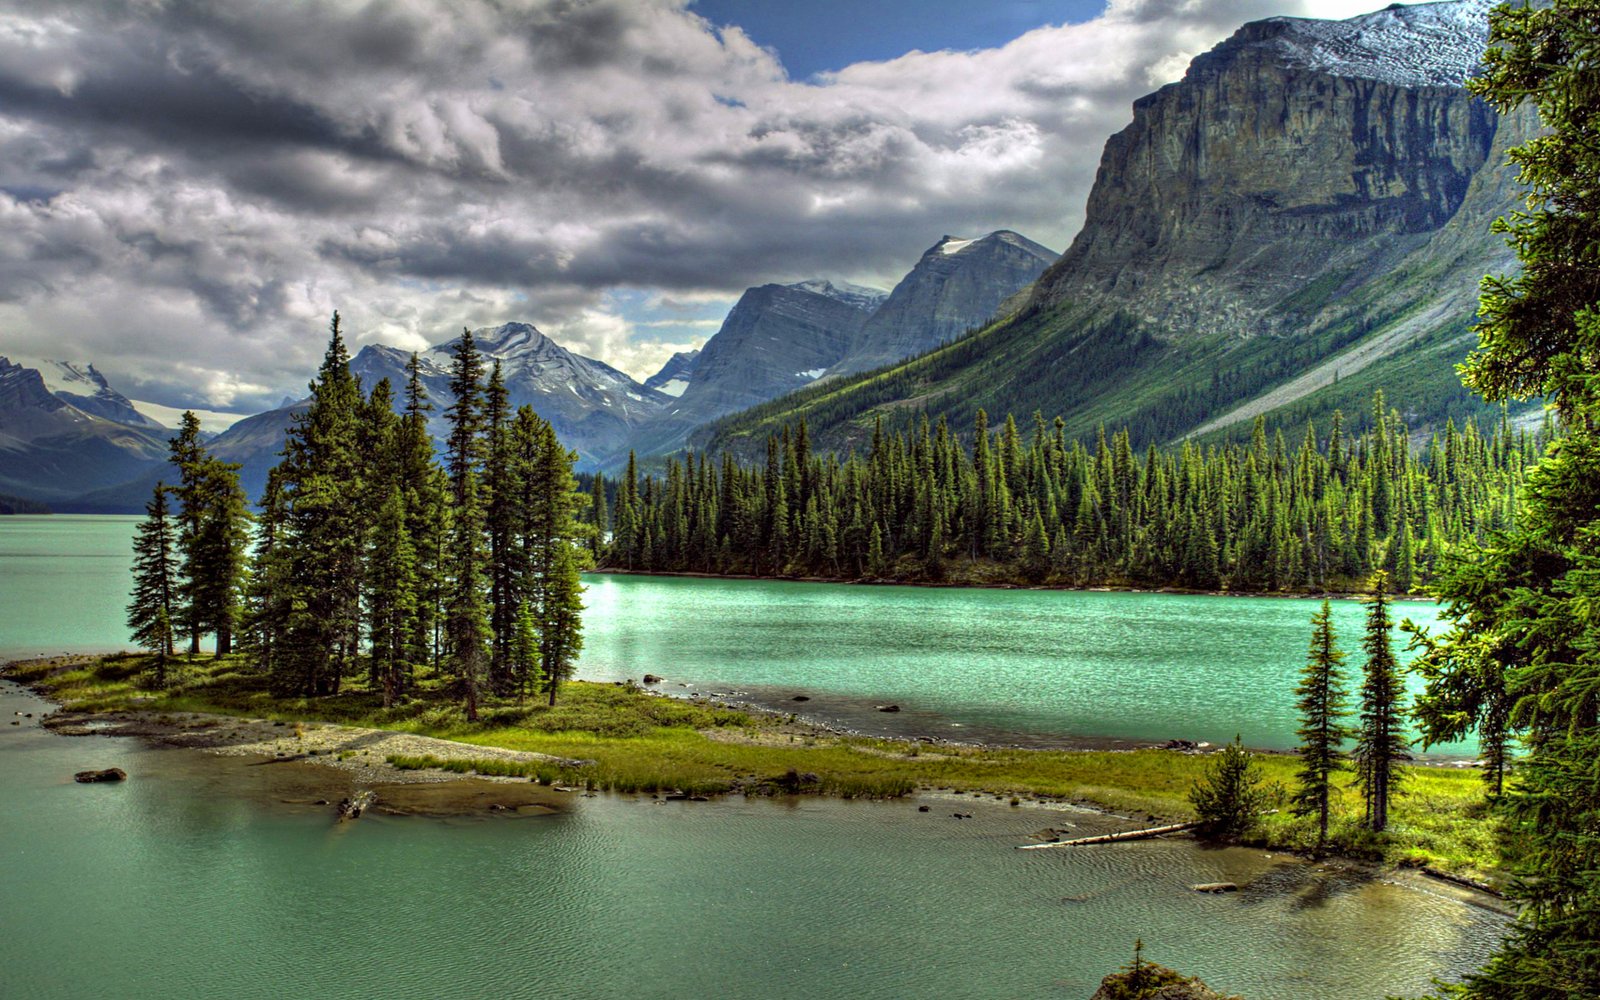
(859, 296)
(211, 421)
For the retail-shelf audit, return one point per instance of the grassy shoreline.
(622, 738)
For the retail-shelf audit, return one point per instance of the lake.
(196, 878)
(1029, 667)
(192, 878)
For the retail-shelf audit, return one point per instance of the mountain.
(1300, 220)
(780, 338)
(777, 338)
(674, 376)
(83, 387)
(64, 430)
(956, 286)
(595, 409)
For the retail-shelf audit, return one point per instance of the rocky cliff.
(1296, 152)
(674, 376)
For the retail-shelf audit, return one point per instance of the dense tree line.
(369, 556)
(1040, 508)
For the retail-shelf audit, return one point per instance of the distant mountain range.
(1300, 220)
(72, 441)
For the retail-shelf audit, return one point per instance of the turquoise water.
(194, 879)
(1017, 666)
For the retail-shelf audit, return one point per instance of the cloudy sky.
(188, 188)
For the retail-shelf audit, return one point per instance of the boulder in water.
(93, 777)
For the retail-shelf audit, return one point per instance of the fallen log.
(1463, 881)
(1111, 838)
(1216, 887)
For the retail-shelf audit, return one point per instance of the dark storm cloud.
(188, 188)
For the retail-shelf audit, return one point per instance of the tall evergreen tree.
(323, 532)
(188, 457)
(466, 610)
(1322, 729)
(1380, 741)
(154, 583)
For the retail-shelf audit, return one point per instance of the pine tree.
(599, 517)
(466, 609)
(555, 533)
(427, 515)
(154, 583)
(217, 575)
(1322, 729)
(393, 596)
(323, 532)
(1380, 742)
(188, 456)
(212, 525)
(1523, 628)
(501, 487)
(1035, 550)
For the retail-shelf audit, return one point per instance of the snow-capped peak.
(951, 245)
(1416, 45)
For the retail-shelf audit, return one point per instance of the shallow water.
(192, 878)
(1016, 666)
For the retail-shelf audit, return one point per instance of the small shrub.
(1229, 795)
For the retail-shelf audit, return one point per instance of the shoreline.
(1333, 595)
(1127, 787)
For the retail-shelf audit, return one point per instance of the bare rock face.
(777, 339)
(1297, 153)
(958, 285)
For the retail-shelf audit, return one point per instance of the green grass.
(621, 738)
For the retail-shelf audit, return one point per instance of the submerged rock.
(355, 805)
(109, 774)
(888, 708)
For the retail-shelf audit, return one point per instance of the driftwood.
(1216, 887)
(1111, 838)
